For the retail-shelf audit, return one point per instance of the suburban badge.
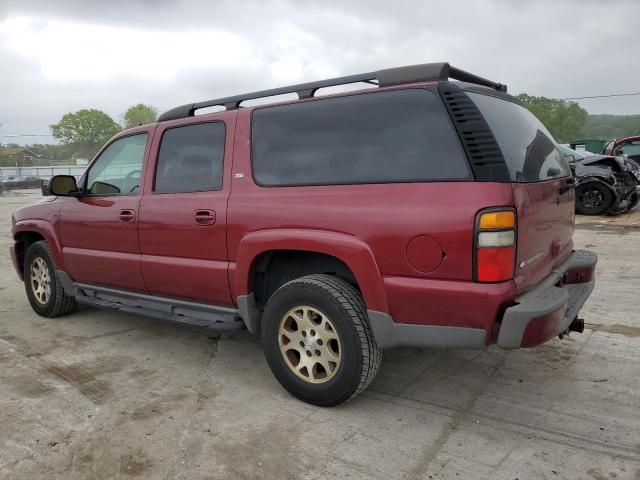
(528, 261)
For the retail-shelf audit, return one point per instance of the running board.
(210, 317)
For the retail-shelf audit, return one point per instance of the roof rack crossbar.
(392, 76)
(463, 76)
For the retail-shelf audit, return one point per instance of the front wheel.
(593, 198)
(634, 200)
(317, 340)
(44, 290)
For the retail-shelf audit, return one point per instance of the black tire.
(593, 198)
(343, 305)
(58, 302)
(634, 200)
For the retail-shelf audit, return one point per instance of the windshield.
(529, 150)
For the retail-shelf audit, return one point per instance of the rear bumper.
(549, 308)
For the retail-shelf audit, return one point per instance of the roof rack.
(392, 76)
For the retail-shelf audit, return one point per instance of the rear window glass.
(528, 148)
(400, 136)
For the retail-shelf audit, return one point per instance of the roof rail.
(424, 72)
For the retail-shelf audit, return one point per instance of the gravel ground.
(107, 395)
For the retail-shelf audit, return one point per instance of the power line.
(603, 96)
(28, 135)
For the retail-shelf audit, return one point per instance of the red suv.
(419, 211)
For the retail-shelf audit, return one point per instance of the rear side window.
(399, 136)
(191, 159)
(528, 148)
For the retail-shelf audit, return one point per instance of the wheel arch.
(348, 251)
(28, 232)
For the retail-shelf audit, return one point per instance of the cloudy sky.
(64, 55)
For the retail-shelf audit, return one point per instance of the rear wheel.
(44, 290)
(593, 198)
(317, 340)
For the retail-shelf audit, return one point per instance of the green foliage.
(87, 130)
(565, 120)
(607, 127)
(139, 114)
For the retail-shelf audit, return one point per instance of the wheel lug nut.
(301, 343)
(308, 353)
(304, 333)
(320, 342)
(318, 352)
(313, 333)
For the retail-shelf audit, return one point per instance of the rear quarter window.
(528, 148)
(384, 137)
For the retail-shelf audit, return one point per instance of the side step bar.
(210, 317)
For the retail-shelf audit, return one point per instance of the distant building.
(21, 155)
(79, 159)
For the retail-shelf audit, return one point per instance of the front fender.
(352, 251)
(47, 230)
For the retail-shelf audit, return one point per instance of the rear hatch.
(542, 188)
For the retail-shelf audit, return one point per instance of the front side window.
(191, 159)
(528, 148)
(384, 137)
(117, 170)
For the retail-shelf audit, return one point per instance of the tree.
(87, 130)
(139, 114)
(565, 120)
(607, 127)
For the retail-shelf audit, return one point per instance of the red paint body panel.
(97, 246)
(440, 302)
(545, 218)
(41, 218)
(611, 147)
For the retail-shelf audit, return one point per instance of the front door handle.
(127, 216)
(204, 217)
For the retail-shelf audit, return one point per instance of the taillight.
(495, 245)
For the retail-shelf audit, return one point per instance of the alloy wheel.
(40, 280)
(309, 344)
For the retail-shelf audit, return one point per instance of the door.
(183, 213)
(99, 230)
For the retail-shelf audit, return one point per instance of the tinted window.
(191, 159)
(528, 148)
(401, 136)
(117, 169)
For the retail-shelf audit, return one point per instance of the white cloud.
(82, 52)
(70, 54)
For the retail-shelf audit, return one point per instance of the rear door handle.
(127, 216)
(204, 217)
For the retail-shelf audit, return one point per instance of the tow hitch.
(576, 326)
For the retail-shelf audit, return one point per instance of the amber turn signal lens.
(497, 220)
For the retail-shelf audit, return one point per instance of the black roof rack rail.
(424, 72)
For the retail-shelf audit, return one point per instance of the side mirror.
(63, 185)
